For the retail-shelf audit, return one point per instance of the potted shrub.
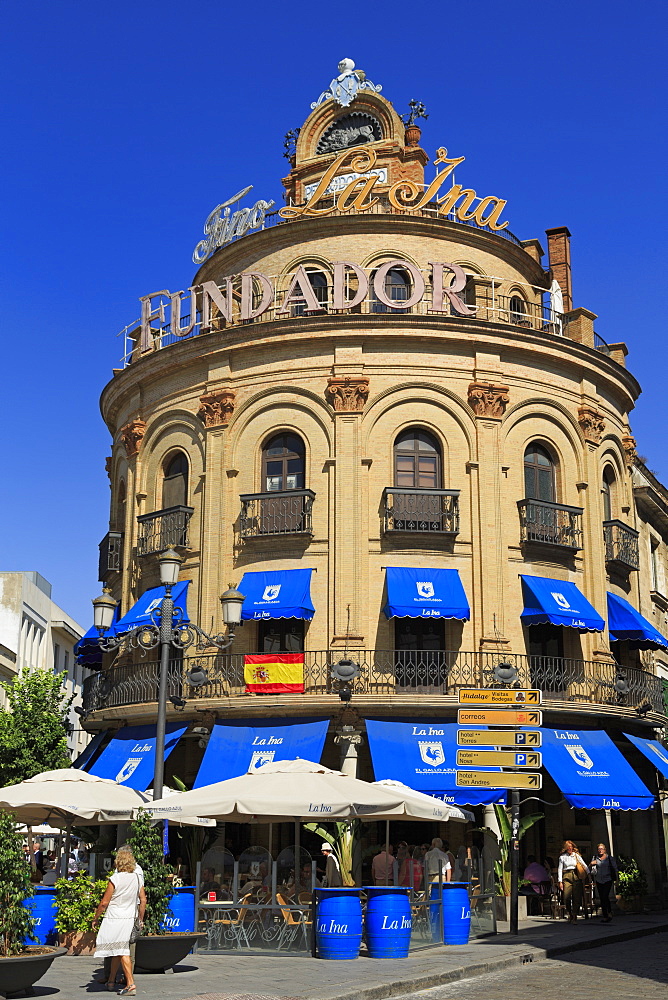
(631, 885)
(77, 900)
(21, 964)
(157, 948)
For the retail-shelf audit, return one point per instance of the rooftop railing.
(386, 672)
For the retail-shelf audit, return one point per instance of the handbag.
(581, 869)
(137, 925)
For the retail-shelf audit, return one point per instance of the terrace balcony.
(555, 524)
(163, 529)
(421, 510)
(111, 550)
(420, 678)
(284, 513)
(621, 546)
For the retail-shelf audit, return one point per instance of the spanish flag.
(274, 673)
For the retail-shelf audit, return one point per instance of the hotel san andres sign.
(348, 186)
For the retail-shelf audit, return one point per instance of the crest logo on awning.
(425, 589)
(128, 769)
(432, 753)
(271, 592)
(260, 757)
(579, 755)
(561, 600)
(660, 752)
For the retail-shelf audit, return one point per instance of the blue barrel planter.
(43, 908)
(388, 921)
(456, 913)
(180, 914)
(338, 927)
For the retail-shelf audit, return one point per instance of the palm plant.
(343, 841)
(502, 867)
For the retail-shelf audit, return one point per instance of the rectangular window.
(66, 662)
(56, 657)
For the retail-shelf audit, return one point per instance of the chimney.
(559, 256)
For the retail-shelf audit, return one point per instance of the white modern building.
(35, 633)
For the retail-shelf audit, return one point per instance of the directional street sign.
(499, 717)
(499, 758)
(499, 696)
(498, 779)
(497, 738)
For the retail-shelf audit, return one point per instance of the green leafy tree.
(146, 843)
(632, 881)
(16, 922)
(502, 867)
(33, 737)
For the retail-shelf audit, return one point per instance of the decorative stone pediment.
(347, 394)
(488, 400)
(216, 407)
(132, 435)
(592, 423)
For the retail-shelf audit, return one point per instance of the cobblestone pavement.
(633, 970)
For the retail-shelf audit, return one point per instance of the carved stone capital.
(487, 400)
(629, 446)
(132, 435)
(347, 394)
(216, 407)
(592, 423)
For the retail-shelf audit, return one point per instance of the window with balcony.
(417, 501)
(607, 492)
(284, 506)
(542, 519)
(284, 635)
(419, 651)
(518, 311)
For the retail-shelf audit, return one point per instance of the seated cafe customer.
(536, 873)
(209, 884)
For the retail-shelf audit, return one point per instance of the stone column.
(347, 395)
(348, 739)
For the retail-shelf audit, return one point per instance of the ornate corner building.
(379, 384)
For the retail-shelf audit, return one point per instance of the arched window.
(175, 481)
(468, 293)
(119, 518)
(417, 460)
(539, 478)
(318, 282)
(397, 289)
(283, 462)
(607, 492)
(518, 310)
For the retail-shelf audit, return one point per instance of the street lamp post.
(165, 632)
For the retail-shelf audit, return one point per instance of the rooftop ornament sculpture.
(290, 143)
(345, 87)
(418, 110)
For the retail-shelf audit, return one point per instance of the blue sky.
(125, 124)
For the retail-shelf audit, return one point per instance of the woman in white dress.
(123, 902)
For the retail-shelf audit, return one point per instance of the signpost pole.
(514, 859)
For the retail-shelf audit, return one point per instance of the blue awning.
(425, 593)
(149, 602)
(236, 748)
(556, 602)
(281, 593)
(129, 758)
(625, 622)
(591, 772)
(90, 750)
(653, 750)
(423, 756)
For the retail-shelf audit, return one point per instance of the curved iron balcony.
(284, 513)
(163, 529)
(544, 523)
(412, 509)
(388, 672)
(621, 545)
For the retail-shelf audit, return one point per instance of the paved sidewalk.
(223, 977)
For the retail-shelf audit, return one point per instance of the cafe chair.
(293, 921)
(231, 927)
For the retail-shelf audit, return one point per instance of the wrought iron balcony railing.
(387, 672)
(421, 510)
(111, 548)
(621, 545)
(285, 513)
(163, 529)
(550, 524)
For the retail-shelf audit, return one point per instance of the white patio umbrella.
(433, 808)
(284, 790)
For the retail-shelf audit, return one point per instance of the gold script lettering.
(493, 217)
(357, 203)
(363, 159)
